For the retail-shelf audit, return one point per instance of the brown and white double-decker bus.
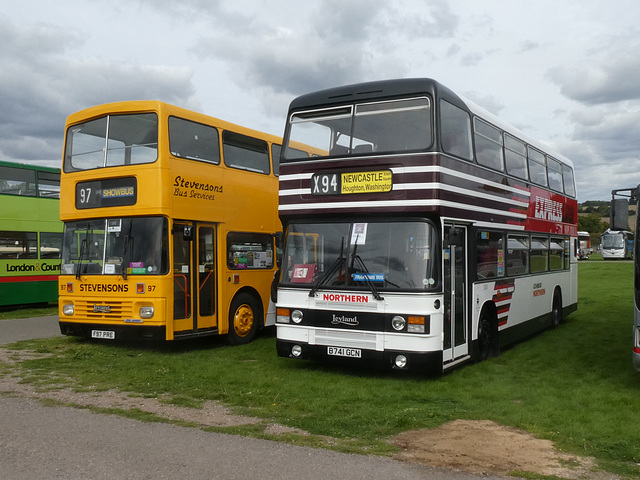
(423, 233)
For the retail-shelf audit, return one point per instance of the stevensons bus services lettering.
(198, 190)
(547, 209)
(45, 267)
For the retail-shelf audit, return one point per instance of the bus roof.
(158, 106)
(401, 87)
(29, 166)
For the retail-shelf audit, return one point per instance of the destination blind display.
(351, 182)
(111, 192)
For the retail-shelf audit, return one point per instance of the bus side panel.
(14, 292)
(533, 295)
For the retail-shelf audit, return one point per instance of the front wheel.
(243, 319)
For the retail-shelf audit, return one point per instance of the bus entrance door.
(456, 343)
(206, 277)
(182, 259)
(194, 278)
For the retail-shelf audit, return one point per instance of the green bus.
(30, 234)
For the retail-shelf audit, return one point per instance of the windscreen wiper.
(335, 267)
(357, 260)
(83, 248)
(128, 247)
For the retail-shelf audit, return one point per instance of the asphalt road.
(43, 442)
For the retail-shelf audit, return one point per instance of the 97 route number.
(325, 184)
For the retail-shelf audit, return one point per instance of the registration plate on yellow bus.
(105, 334)
(344, 352)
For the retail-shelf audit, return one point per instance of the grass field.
(574, 385)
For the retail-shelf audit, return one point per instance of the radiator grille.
(104, 310)
(340, 338)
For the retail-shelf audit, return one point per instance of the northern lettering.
(340, 297)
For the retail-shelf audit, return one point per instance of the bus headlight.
(398, 323)
(68, 309)
(296, 351)
(296, 316)
(146, 312)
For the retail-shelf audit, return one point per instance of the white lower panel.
(379, 341)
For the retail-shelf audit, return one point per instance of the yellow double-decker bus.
(170, 224)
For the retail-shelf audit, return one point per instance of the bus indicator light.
(236, 278)
(140, 287)
(70, 287)
(283, 315)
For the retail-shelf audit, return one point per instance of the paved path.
(40, 442)
(27, 328)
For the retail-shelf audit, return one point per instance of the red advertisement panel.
(551, 212)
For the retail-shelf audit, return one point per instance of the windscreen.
(612, 240)
(387, 255)
(116, 246)
(112, 140)
(379, 127)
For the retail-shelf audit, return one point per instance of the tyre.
(487, 336)
(244, 318)
(556, 309)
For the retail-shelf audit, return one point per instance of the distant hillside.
(601, 207)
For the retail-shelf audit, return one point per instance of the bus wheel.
(556, 309)
(487, 336)
(243, 319)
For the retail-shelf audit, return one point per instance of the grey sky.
(563, 72)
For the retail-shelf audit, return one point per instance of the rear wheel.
(556, 309)
(243, 319)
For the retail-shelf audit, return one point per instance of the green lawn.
(574, 385)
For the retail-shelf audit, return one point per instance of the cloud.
(335, 43)
(609, 75)
(41, 84)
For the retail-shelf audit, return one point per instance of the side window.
(276, 150)
(517, 255)
(21, 245)
(245, 153)
(539, 254)
(490, 254)
(556, 254)
(567, 179)
(488, 145)
(194, 141)
(50, 244)
(537, 167)
(455, 130)
(515, 157)
(48, 185)
(249, 251)
(17, 181)
(554, 172)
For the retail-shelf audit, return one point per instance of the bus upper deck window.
(455, 130)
